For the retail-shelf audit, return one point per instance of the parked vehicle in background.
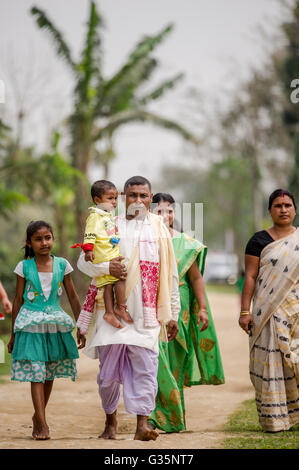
(221, 267)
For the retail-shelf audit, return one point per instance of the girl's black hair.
(280, 193)
(33, 227)
(164, 197)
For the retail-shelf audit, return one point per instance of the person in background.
(193, 357)
(240, 283)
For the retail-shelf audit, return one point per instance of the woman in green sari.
(193, 357)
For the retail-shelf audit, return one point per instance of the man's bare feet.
(112, 320)
(150, 425)
(122, 312)
(40, 430)
(146, 434)
(110, 427)
(143, 430)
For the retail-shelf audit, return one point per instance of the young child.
(41, 342)
(101, 244)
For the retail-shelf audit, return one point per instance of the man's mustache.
(132, 208)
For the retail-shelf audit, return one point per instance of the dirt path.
(75, 416)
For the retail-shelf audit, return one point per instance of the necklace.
(293, 229)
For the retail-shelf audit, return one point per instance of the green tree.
(250, 155)
(47, 180)
(225, 191)
(102, 105)
(9, 198)
(253, 129)
(55, 188)
(287, 65)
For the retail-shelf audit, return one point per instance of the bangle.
(244, 312)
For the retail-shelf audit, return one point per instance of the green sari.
(193, 357)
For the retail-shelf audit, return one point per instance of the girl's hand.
(81, 340)
(246, 322)
(11, 343)
(203, 317)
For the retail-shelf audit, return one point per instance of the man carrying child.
(129, 354)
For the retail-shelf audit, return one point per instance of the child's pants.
(136, 368)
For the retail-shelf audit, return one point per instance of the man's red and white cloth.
(87, 309)
(149, 268)
(142, 298)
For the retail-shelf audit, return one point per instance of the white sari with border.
(274, 340)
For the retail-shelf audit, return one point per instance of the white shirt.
(134, 334)
(45, 278)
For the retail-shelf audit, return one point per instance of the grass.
(5, 367)
(222, 288)
(246, 432)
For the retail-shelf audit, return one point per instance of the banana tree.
(102, 105)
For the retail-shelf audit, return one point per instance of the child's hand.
(89, 256)
(11, 344)
(81, 340)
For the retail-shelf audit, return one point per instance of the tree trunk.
(60, 230)
(256, 193)
(294, 178)
(106, 170)
(81, 204)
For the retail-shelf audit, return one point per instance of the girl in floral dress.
(41, 342)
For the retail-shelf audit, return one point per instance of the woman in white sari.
(271, 283)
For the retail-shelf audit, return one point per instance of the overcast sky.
(214, 43)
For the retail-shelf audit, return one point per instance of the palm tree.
(102, 105)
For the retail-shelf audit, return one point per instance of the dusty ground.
(75, 416)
